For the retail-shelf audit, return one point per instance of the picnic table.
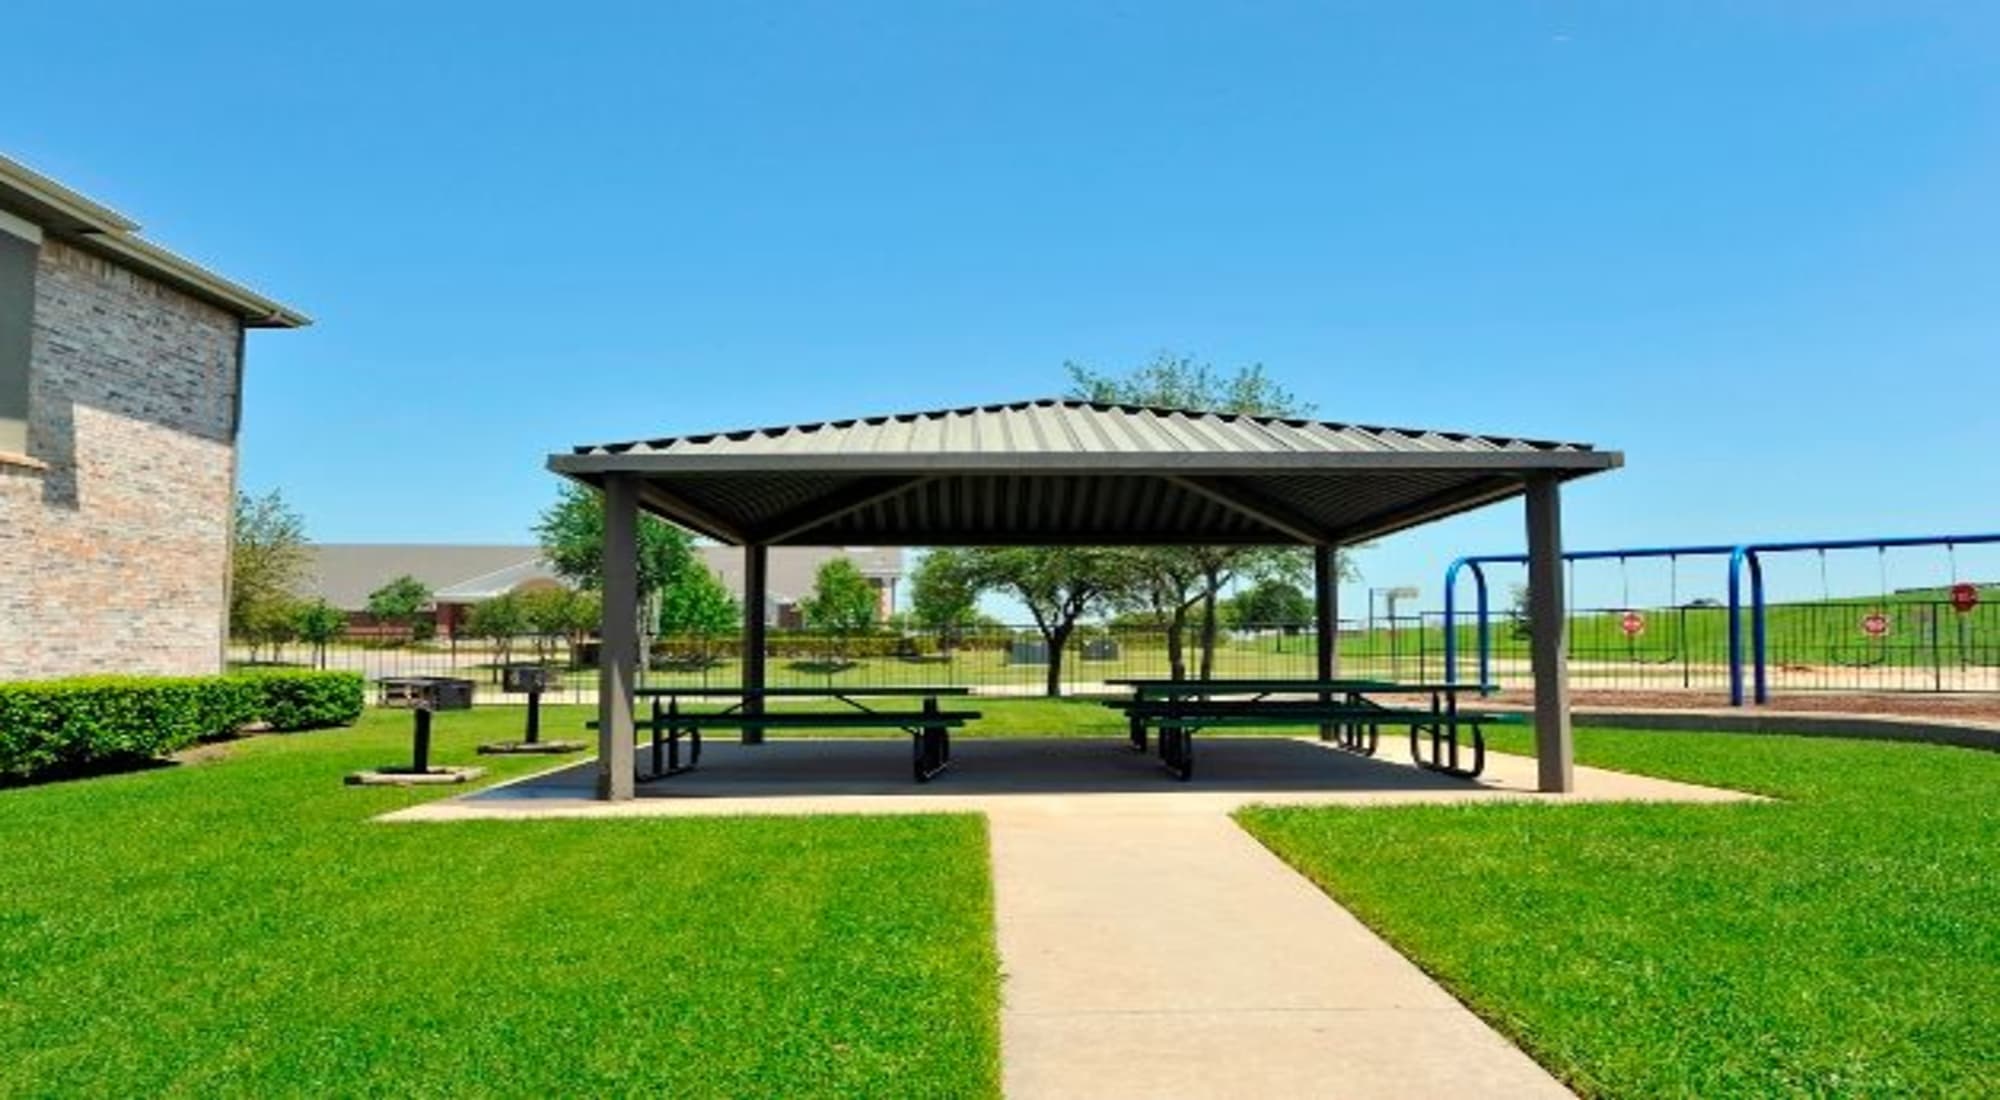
(1348, 712)
(929, 726)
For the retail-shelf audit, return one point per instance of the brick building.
(120, 390)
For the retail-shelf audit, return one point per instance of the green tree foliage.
(943, 597)
(1057, 584)
(556, 615)
(842, 600)
(402, 601)
(267, 561)
(499, 620)
(1179, 382)
(1175, 582)
(271, 622)
(319, 624)
(695, 603)
(1270, 602)
(571, 532)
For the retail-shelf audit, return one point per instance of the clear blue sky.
(1756, 247)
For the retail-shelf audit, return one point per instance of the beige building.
(459, 576)
(121, 368)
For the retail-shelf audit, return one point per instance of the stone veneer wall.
(114, 559)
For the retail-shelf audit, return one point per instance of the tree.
(1177, 577)
(942, 596)
(1165, 583)
(556, 614)
(1179, 382)
(695, 603)
(499, 620)
(272, 621)
(1270, 602)
(319, 624)
(842, 600)
(268, 559)
(1057, 584)
(402, 601)
(571, 532)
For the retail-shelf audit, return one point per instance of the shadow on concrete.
(1003, 766)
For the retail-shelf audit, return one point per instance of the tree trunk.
(1177, 644)
(1208, 633)
(1057, 640)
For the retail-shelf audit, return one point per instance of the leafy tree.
(268, 559)
(571, 532)
(695, 603)
(1179, 382)
(319, 624)
(842, 600)
(272, 621)
(1270, 602)
(558, 614)
(1057, 584)
(499, 620)
(402, 601)
(1163, 584)
(943, 597)
(1175, 580)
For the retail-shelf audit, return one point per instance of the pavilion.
(1070, 472)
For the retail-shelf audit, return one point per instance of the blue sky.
(1754, 246)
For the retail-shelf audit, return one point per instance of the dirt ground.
(1984, 708)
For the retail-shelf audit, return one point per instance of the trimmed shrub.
(57, 725)
(306, 700)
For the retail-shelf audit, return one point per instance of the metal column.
(618, 637)
(756, 586)
(1326, 618)
(1548, 626)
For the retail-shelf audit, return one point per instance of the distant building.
(344, 574)
(121, 382)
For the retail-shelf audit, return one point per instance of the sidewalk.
(1173, 956)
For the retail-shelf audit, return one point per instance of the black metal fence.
(1907, 645)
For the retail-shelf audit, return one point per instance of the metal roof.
(87, 224)
(1070, 471)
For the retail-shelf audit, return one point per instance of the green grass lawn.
(1842, 941)
(239, 927)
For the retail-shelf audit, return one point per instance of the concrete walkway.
(1151, 948)
(1174, 956)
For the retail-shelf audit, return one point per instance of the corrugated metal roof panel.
(1061, 426)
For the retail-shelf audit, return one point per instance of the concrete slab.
(1039, 775)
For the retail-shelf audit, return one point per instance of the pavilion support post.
(1326, 619)
(756, 589)
(618, 638)
(1548, 626)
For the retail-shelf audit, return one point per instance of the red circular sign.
(1964, 597)
(1633, 624)
(1875, 624)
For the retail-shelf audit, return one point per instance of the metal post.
(420, 748)
(1548, 629)
(756, 588)
(534, 734)
(1326, 621)
(618, 638)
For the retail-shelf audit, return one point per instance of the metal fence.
(1892, 646)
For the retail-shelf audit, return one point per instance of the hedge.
(290, 700)
(69, 724)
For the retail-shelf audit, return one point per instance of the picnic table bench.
(1345, 711)
(929, 726)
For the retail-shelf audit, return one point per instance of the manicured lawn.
(240, 927)
(1843, 941)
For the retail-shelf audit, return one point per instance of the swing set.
(1743, 558)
